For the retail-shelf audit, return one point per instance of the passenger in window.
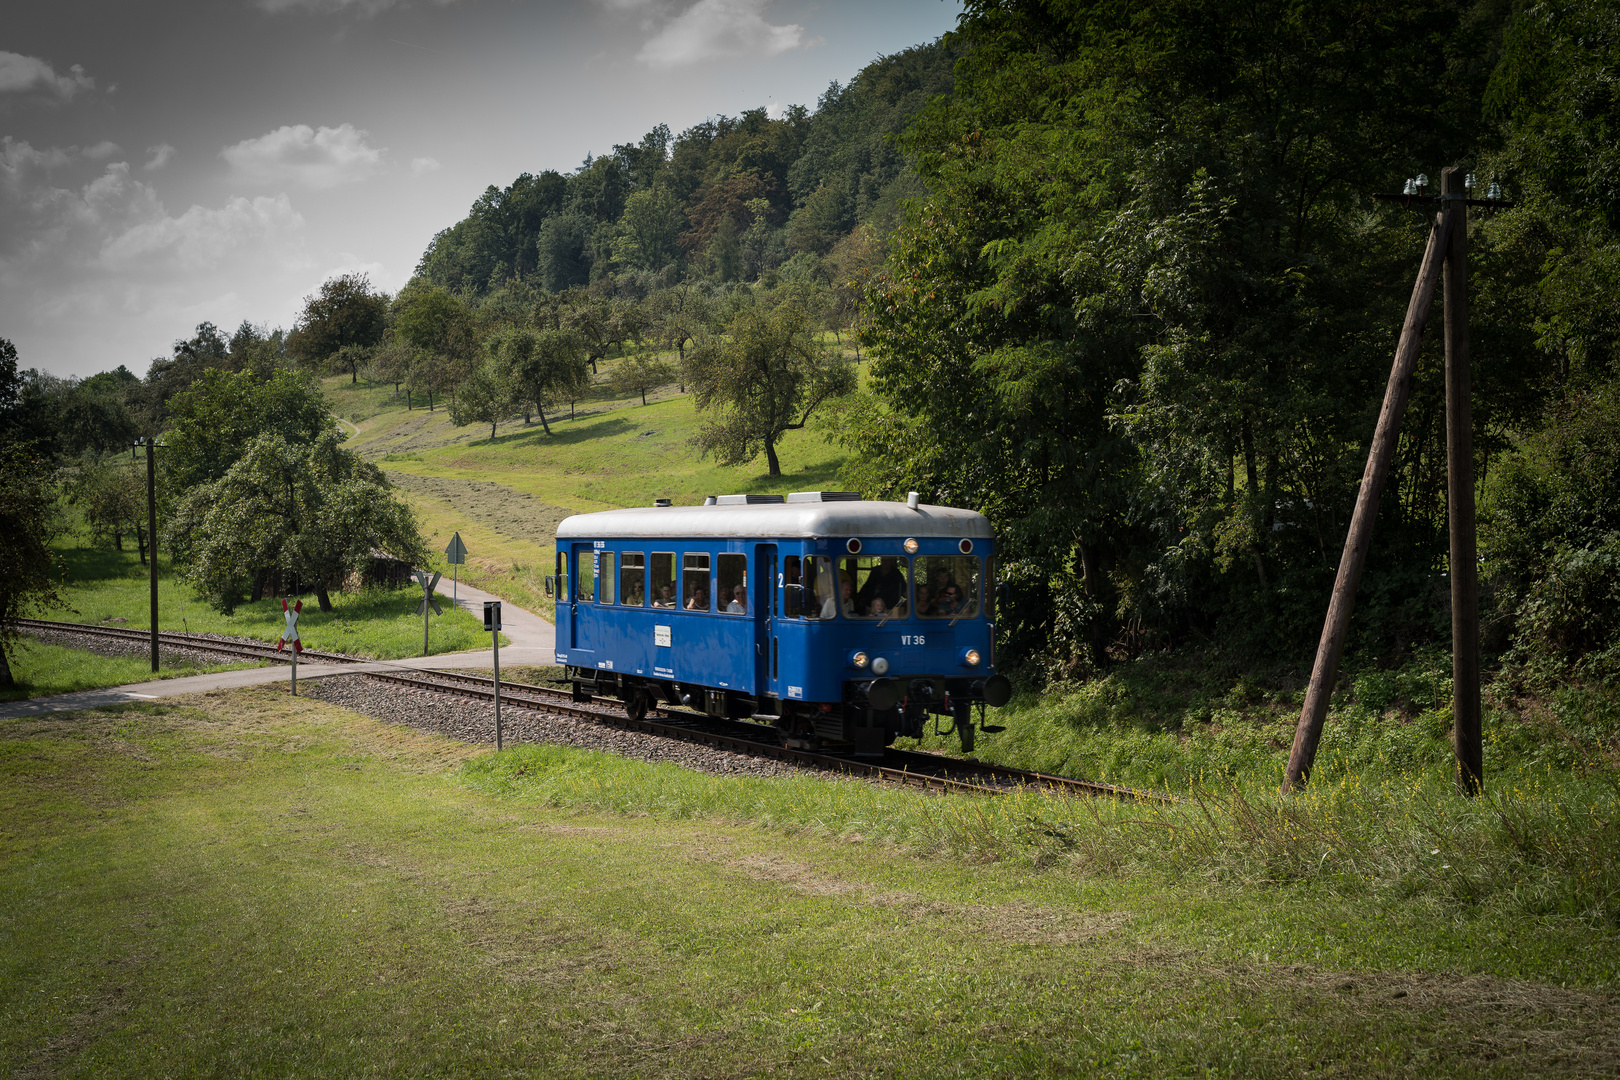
(951, 602)
(878, 609)
(925, 603)
(848, 602)
(666, 595)
(699, 601)
(739, 601)
(886, 583)
(829, 608)
(942, 581)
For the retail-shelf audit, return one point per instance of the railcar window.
(820, 588)
(875, 587)
(948, 586)
(695, 582)
(792, 592)
(731, 574)
(663, 579)
(632, 579)
(604, 565)
(585, 583)
(562, 577)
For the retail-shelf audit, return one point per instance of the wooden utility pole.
(1464, 571)
(151, 540)
(1379, 459)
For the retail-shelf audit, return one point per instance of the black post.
(1467, 736)
(151, 541)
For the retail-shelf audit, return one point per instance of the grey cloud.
(21, 74)
(709, 30)
(322, 157)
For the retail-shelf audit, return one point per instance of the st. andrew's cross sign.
(428, 601)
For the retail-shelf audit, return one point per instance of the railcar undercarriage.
(872, 715)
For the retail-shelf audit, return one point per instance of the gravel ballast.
(474, 722)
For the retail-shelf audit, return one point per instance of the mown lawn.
(506, 495)
(246, 884)
(105, 586)
(39, 669)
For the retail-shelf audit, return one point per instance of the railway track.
(909, 767)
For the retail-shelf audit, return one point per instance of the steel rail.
(910, 767)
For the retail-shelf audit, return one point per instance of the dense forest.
(1121, 284)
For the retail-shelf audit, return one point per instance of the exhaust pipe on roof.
(912, 499)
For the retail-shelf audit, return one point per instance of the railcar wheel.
(635, 706)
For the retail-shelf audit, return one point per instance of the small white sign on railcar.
(661, 636)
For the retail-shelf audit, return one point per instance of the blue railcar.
(841, 622)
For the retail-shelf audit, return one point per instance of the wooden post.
(1379, 459)
(151, 541)
(1466, 731)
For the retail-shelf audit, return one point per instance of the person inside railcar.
(699, 600)
(739, 601)
(878, 609)
(666, 595)
(886, 582)
(925, 603)
(848, 602)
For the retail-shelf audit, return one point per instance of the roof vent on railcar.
(747, 500)
(824, 496)
(662, 502)
(708, 500)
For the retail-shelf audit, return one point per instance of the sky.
(163, 164)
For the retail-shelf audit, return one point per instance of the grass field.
(39, 669)
(505, 496)
(251, 885)
(112, 587)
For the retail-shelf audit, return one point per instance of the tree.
(440, 327)
(28, 569)
(340, 323)
(542, 366)
(649, 230)
(640, 373)
(764, 377)
(487, 397)
(213, 421)
(112, 497)
(312, 512)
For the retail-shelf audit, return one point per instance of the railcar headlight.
(971, 658)
(880, 666)
(910, 545)
(859, 659)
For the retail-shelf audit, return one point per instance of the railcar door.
(766, 661)
(584, 589)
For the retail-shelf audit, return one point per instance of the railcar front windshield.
(948, 586)
(875, 587)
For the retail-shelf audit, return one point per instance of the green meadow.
(113, 587)
(506, 495)
(247, 884)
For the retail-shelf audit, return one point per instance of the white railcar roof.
(789, 520)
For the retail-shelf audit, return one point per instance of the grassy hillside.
(506, 495)
(248, 884)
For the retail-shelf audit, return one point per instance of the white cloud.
(21, 74)
(98, 273)
(158, 156)
(104, 149)
(422, 165)
(714, 30)
(296, 153)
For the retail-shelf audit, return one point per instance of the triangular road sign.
(457, 551)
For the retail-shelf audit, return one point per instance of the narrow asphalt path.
(532, 638)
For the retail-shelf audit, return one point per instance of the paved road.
(533, 642)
